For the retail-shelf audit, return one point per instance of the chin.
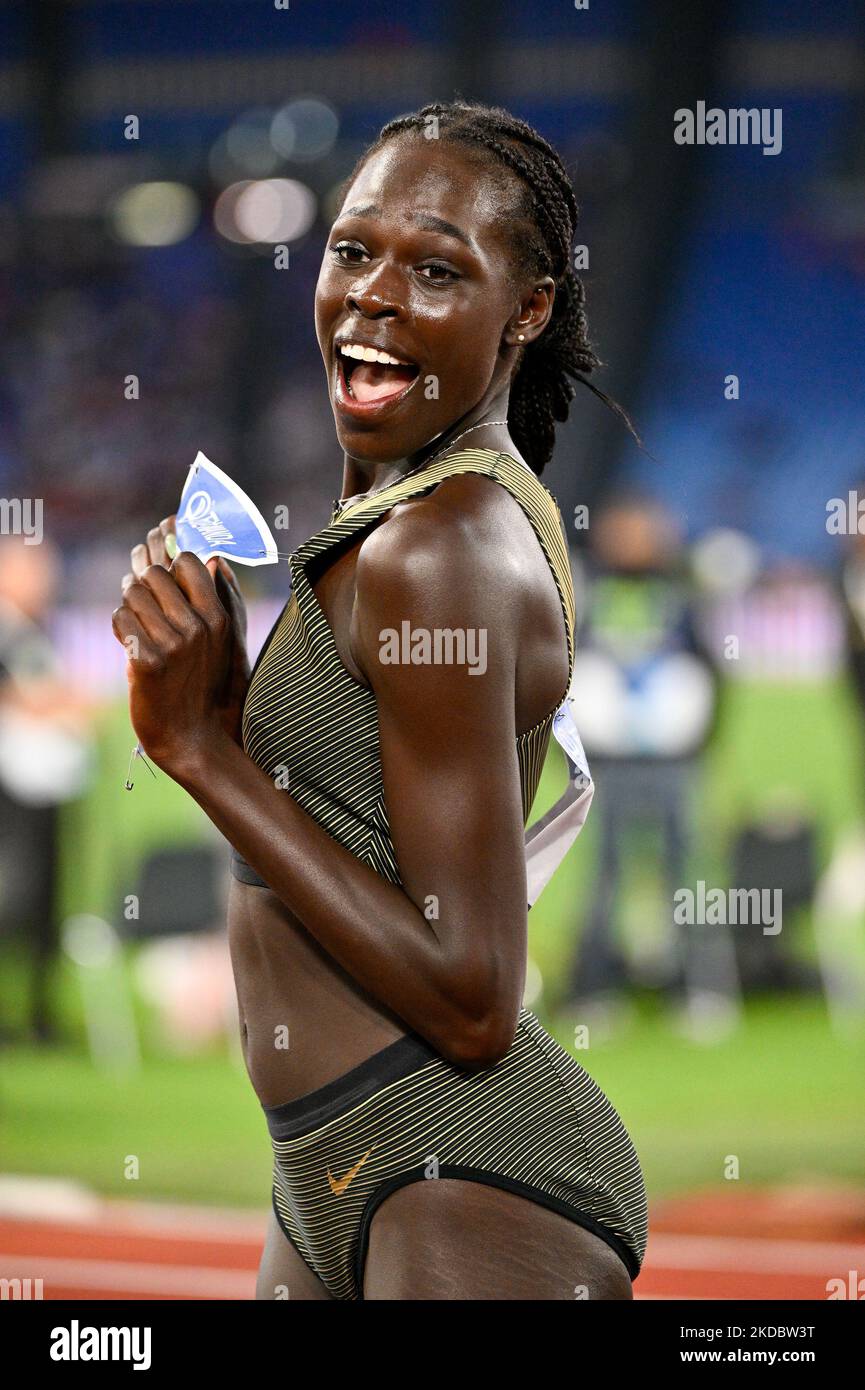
(373, 445)
(384, 441)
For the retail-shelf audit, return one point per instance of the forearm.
(367, 924)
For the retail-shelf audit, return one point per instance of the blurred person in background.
(646, 697)
(45, 759)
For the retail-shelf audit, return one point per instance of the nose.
(376, 296)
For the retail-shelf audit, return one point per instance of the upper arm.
(448, 744)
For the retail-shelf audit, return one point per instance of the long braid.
(545, 381)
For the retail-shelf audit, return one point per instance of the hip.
(535, 1123)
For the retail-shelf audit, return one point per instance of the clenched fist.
(183, 624)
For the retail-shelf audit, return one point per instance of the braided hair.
(546, 216)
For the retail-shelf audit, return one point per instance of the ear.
(532, 316)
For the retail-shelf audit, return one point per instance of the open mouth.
(370, 375)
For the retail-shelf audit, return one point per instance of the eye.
(440, 273)
(349, 252)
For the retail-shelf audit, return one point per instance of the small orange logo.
(339, 1185)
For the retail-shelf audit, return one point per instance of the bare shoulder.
(464, 558)
(468, 530)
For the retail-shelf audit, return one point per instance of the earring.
(521, 337)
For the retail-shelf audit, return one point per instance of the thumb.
(228, 574)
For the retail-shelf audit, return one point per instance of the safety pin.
(137, 752)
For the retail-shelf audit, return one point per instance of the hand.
(184, 684)
(155, 552)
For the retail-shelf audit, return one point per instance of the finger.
(156, 547)
(168, 527)
(123, 622)
(127, 630)
(143, 604)
(226, 587)
(140, 559)
(126, 581)
(196, 582)
(229, 575)
(231, 599)
(153, 551)
(170, 598)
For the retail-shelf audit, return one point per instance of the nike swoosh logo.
(338, 1185)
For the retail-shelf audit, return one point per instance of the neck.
(369, 475)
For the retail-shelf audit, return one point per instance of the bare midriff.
(303, 1020)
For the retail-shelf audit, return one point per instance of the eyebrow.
(423, 219)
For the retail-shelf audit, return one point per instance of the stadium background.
(136, 256)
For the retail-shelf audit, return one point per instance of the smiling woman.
(430, 1139)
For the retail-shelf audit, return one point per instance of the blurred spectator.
(645, 692)
(45, 757)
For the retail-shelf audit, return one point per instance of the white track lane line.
(206, 1232)
(112, 1276)
(751, 1254)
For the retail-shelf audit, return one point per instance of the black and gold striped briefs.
(535, 1124)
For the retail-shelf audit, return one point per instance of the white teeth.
(370, 354)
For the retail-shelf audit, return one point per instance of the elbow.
(476, 1044)
(479, 1001)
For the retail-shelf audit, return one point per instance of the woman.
(431, 1140)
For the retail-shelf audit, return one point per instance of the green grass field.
(783, 1094)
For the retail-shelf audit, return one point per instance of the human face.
(416, 266)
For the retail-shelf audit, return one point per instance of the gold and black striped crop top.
(309, 724)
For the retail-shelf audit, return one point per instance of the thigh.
(444, 1238)
(283, 1271)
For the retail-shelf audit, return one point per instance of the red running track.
(700, 1248)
